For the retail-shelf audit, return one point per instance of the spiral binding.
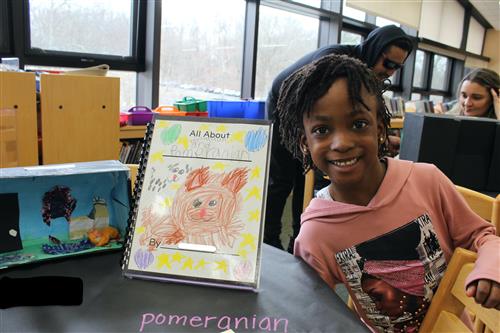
(146, 145)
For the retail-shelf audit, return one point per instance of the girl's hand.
(496, 102)
(485, 292)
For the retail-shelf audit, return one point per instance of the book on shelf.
(199, 205)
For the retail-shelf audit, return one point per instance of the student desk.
(291, 298)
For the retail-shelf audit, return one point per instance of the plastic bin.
(191, 104)
(173, 111)
(139, 115)
(237, 109)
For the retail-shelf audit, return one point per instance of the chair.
(450, 301)
(483, 205)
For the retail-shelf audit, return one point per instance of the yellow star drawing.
(157, 156)
(175, 186)
(248, 239)
(176, 257)
(237, 136)
(255, 172)
(201, 264)
(222, 265)
(254, 215)
(164, 260)
(253, 192)
(140, 229)
(168, 202)
(204, 127)
(221, 128)
(242, 252)
(188, 263)
(162, 124)
(219, 166)
(183, 140)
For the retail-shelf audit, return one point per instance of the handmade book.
(200, 194)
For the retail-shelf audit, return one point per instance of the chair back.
(483, 205)
(450, 301)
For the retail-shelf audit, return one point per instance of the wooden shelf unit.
(18, 120)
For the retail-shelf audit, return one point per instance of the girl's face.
(343, 141)
(474, 99)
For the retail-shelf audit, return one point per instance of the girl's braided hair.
(304, 87)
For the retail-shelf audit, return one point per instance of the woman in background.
(478, 95)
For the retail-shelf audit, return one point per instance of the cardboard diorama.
(58, 210)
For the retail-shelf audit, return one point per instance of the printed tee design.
(395, 276)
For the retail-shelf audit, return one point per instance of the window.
(284, 37)
(353, 13)
(128, 82)
(475, 37)
(419, 77)
(440, 73)
(201, 56)
(436, 99)
(5, 42)
(77, 30)
(312, 3)
(347, 37)
(415, 97)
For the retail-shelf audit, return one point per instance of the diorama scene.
(60, 210)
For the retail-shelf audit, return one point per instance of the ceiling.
(490, 9)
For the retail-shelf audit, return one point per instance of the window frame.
(135, 62)
(6, 34)
(425, 91)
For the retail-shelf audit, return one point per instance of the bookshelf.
(130, 143)
(18, 120)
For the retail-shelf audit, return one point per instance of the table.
(291, 298)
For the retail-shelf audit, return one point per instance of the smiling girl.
(380, 218)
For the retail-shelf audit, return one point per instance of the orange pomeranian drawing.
(204, 211)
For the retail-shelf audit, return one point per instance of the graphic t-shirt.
(394, 276)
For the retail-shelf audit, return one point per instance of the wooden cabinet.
(79, 118)
(18, 120)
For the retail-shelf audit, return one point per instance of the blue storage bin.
(236, 109)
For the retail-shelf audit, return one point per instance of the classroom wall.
(492, 49)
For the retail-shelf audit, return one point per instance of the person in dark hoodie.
(384, 51)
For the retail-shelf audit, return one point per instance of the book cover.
(200, 198)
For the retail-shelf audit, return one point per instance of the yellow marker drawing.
(162, 124)
(167, 202)
(157, 156)
(188, 263)
(237, 136)
(140, 229)
(201, 264)
(254, 215)
(204, 127)
(175, 186)
(242, 252)
(253, 192)
(222, 265)
(221, 128)
(164, 260)
(248, 239)
(255, 173)
(219, 166)
(176, 257)
(183, 140)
